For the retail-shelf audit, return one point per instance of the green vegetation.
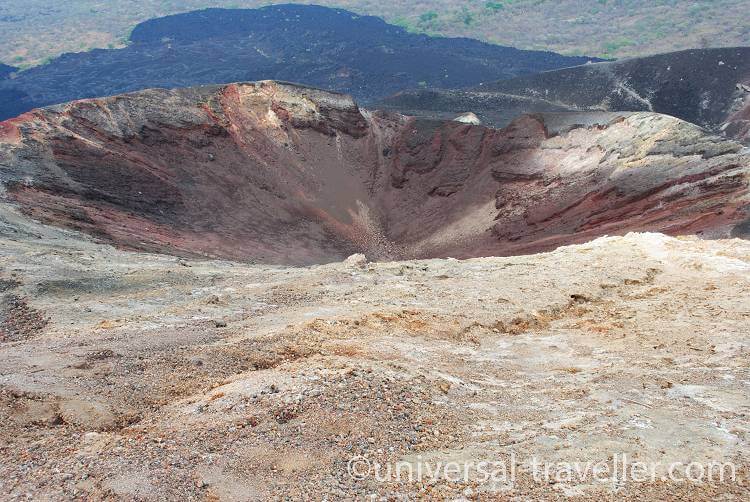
(33, 30)
(428, 22)
(428, 17)
(466, 17)
(613, 47)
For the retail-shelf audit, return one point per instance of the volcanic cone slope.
(708, 87)
(283, 174)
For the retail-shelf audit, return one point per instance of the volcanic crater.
(277, 173)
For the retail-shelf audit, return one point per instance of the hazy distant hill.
(31, 31)
(328, 48)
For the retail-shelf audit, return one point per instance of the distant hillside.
(709, 87)
(328, 48)
(33, 31)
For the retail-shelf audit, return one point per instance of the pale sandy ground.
(142, 377)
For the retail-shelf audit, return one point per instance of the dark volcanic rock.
(493, 108)
(6, 70)
(328, 48)
(280, 173)
(13, 101)
(706, 87)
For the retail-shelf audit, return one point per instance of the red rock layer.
(277, 173)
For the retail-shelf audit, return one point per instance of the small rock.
(89, 414)
(468, 118)
(356, 260)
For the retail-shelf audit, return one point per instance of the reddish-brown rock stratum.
(279, 173)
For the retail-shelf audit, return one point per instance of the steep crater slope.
(328, 48)
(279, 173)
(708, 87)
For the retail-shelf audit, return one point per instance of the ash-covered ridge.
(707, 87)
(284, 174)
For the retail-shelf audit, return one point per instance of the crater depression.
(283, 174)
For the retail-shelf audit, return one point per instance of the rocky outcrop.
(279, 173)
